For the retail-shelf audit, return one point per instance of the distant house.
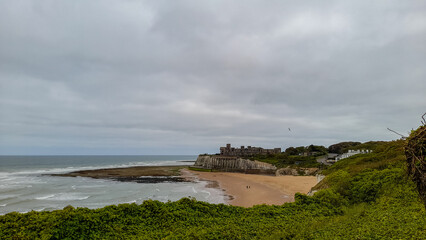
(331, 157)
(351, 153)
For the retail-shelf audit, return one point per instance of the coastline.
(240, 189)
(139, 174)
(247, 190)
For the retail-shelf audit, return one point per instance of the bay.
(24, 185)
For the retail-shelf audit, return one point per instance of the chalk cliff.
(233, 164)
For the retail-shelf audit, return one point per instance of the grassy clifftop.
(362, 197)
(284, 160)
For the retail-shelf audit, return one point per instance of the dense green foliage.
(342, 147)
(362, 197)
(295, 157)
(284, 160)
(384, 155)
(186, 218)
(318, 150)
(202, 169)
(415, 151)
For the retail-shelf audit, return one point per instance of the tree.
(291, 151)
(341, 147)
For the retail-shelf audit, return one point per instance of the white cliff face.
(233, 164)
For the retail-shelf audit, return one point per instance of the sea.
(25, 184)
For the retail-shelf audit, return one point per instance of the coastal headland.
(244, 190)
(246, 182)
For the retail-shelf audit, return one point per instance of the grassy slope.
(365, 196)
(283, 160)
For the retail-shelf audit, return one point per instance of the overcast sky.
(186, 77)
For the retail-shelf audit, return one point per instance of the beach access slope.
(247, 190)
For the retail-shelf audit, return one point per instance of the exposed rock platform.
(141, 174)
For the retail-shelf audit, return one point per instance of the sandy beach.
(247, 190)
(244, 190)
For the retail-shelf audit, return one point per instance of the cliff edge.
(233, 164)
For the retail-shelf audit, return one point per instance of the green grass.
(200, 169)
(363, 197)
(284, 160)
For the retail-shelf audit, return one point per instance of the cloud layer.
(183, 77)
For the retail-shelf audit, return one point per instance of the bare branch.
(397, 133)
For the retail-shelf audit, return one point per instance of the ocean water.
(24, 185)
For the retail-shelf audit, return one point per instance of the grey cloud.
(185, 77)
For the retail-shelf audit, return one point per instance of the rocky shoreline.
(241, 189)
(140, 174)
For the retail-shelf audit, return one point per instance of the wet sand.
(244, 190)
(247, 190)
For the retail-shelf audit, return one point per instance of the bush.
(331, 197)
(366, 197)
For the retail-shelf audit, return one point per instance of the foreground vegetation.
(363, 197)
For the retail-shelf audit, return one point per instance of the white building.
(351, 153)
